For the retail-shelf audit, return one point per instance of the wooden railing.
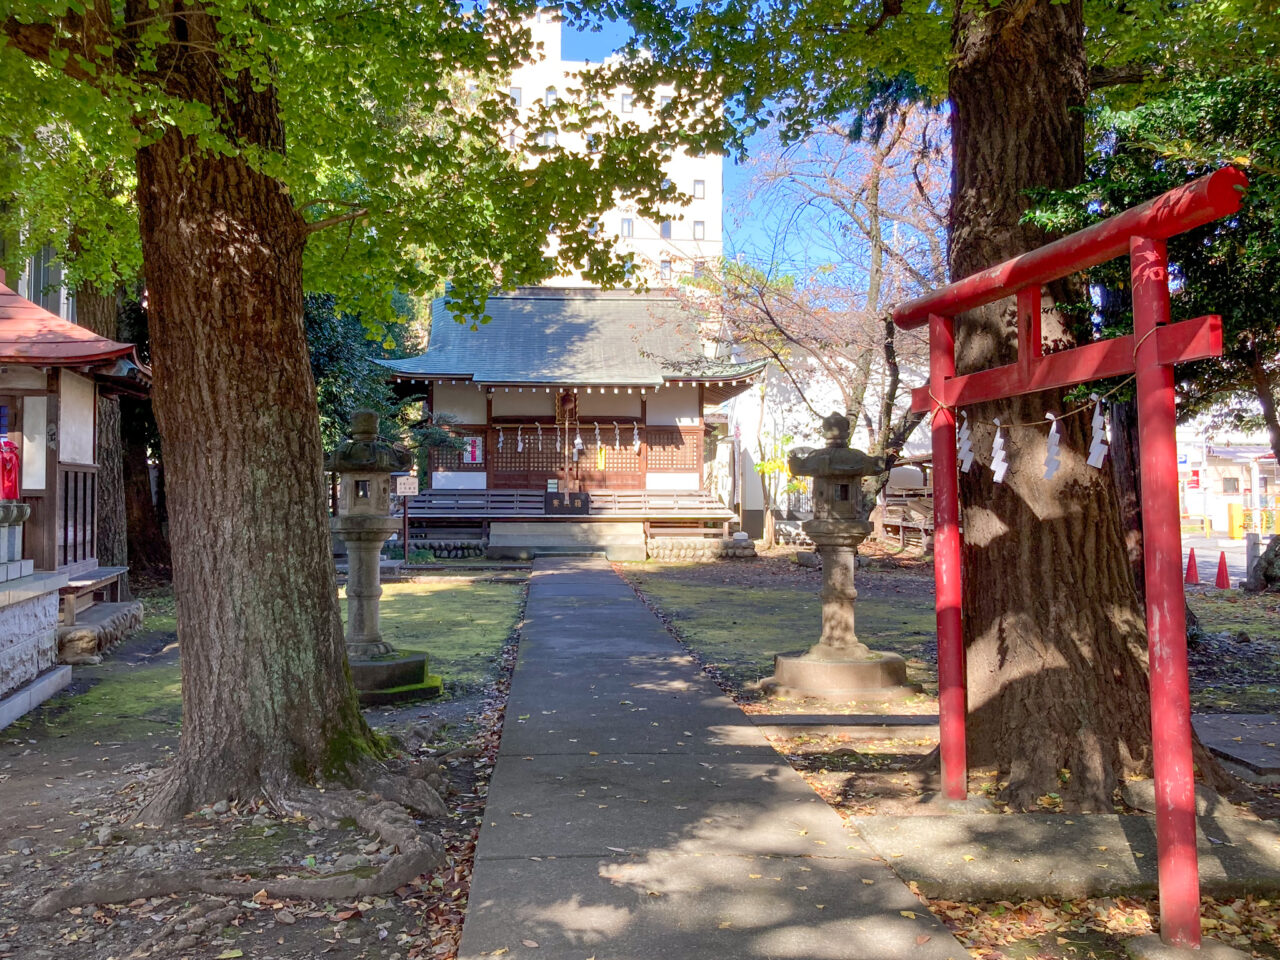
(77, 513)
(639, 504)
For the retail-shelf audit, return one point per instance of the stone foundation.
(451, 549)
(97, 630)
(28, 639)
(699, 548)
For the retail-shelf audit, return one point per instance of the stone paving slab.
(698, 908)
(540, 728)
(699, 803)
(633, 805)
(1249, 740)
(1030, 855)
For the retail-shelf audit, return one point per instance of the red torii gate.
(1149, 353)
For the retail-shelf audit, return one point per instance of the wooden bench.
(106, 584)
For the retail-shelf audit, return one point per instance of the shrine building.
(52, 373)
(567, 392)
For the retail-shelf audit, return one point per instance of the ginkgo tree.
(361, 147)
(1055, 639)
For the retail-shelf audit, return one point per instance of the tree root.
(385, 814)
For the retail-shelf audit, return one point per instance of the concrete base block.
(879, 679)
(1151, 947)
(380, 674)
(29, 696)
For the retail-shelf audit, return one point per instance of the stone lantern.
(364, 465)
(839, 666)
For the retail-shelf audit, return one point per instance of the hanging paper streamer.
(577, 442)
(539, 438)
(597, 434)
(998, 462)
(617, 436)
(1098, 443)
(966, 444)
(599, 458)
(1051, 460)
(566, 433)
(519, 439)
(499, 438)
(635, 437)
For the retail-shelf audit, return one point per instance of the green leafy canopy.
(394, 120)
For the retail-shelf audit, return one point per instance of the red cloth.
(10, 471)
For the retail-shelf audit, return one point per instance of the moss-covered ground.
(136, 692)
(461, 624)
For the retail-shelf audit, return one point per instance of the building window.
(551, 97)
(628, 227)
(517, 96)
(548, 138)
(699, 268)
(593, 228)
(699, 189)
(1230, 484)
(628, 103)
(663, 101)
(664, 268)
(511, 140)
(1264, 484)
(665, 230)
(699, 229)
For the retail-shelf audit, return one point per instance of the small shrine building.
(568, 391)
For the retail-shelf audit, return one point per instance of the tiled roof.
(570, 336)
(31, 334)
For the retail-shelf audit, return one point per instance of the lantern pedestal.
(839, 666)
(365, 464)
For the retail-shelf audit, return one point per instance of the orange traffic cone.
(1224, 578)
(1193, 573)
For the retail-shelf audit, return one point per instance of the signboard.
(1194, 482)
(473, 450)
(406, 486)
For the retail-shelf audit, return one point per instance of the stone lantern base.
(395, 679)
(879, 677)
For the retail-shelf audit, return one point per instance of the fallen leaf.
(922, 939)
(230, 954)
(530, 943)
(909, 914)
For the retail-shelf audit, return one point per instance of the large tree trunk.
(1123, 456)
(1056, 644)
(267, 695)
(97, 310)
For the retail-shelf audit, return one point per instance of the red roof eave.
(29, 334)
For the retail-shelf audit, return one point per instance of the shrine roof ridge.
(569, 336)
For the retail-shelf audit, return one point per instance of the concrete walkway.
(636, 813)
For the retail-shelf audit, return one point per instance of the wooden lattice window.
(510, 459)
(674, 450)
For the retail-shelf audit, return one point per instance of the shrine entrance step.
(525, 540)
(636, 812)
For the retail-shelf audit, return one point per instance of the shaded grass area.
(1236, 668)
(137, 692)
(738, 630)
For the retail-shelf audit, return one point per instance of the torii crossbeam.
(1149, 353)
